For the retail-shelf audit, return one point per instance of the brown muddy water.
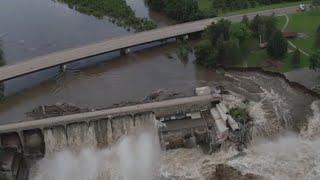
(111, 78)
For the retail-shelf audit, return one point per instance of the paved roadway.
(62, 57)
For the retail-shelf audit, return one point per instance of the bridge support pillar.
(182, 38)
(164, 41)
(125, 51)
(63, 68)
(185, 37)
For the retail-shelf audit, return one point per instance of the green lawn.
(305, 23)
(205, 5)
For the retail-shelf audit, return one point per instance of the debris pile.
(60, 109)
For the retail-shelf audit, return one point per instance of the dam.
(198, 120)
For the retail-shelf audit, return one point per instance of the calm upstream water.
(37, 27)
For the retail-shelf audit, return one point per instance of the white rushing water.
(136, 153)
(289, 157)
(131, 150)
(135, 157)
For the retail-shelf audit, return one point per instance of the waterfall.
(100, 133)
(312, 130)
(80, 135)
(134, 157)
(103, 132)
(55, 139)
(289, 157)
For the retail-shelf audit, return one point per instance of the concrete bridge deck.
(70, 55)
(159, 108)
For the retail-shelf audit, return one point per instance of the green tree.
(315, 60)
(263, 26)
(205, 54)
(216, 30)
(183, 49)
(245, 20)
(218, 5)
(156, 5)
(317, 43)
(277, 45)
(296, 58)
(270, 23)
(240, 31)
(182, 10)
(255, 24)
(231, 54)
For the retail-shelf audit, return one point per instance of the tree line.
(179, 10)
(229, 5)
(118, 10)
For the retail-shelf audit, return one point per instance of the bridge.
(121, 43)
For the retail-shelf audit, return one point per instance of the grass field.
(305, 23)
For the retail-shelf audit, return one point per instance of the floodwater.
(52, 26)
(37, 27)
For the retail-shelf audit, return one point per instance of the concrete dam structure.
(183, 122)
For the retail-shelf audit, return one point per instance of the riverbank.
(118, 11)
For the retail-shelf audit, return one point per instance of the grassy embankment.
(118, 11)
(304, 23)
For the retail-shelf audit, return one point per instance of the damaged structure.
(201, 120)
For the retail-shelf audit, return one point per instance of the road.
(69, 55)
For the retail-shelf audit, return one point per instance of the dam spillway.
(183, 122)
(98, 128)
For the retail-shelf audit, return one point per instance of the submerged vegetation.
(118, 10)
(183, 50)
(179, 10)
